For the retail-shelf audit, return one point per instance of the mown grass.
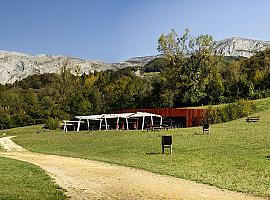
(262, 104)
(235, 155)
(24, 181)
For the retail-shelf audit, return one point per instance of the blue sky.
(114, 30)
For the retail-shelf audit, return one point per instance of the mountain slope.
(16, 66)
(240, 47)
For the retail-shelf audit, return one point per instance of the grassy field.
(235, 155)
(20, 180)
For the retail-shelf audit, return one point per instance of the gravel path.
(86, 179)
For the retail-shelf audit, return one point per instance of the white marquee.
(104, 117)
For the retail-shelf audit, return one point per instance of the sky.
(115, 30)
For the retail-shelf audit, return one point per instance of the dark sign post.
(206, 128)
(166, 143)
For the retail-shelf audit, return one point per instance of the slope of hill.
(240, 47)
(16, 66)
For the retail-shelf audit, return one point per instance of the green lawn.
(20, 180)
(236, 155)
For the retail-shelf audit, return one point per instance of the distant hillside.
(240, 47)
(16, 66)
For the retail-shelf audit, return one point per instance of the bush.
(211, 116)
(229, 112)
(5, 121)
(245, 108)
(51, 123)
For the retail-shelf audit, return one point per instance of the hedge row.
(229, 112)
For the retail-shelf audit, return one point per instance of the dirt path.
(86, 179)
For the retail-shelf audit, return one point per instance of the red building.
(185, 117)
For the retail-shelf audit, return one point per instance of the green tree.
(192, 64)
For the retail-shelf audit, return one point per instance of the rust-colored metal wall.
(190, 114)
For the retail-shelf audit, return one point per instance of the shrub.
(51, 123)
(244, 108)
(229, 112)
(211, 116)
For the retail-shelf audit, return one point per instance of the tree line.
(188, 73)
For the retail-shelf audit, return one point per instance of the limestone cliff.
(239, 47)
(16, 66)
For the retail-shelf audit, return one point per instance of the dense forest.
(187, 73)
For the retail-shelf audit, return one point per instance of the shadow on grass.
(153, 153)
(267, 157)
(201, 133)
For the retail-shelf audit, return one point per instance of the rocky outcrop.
(239, 47)
(16, 66)
(142, 61)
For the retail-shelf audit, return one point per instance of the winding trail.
(86, 179)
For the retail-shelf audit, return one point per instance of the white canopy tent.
(117, 116)
(145, 114)
(87, 118)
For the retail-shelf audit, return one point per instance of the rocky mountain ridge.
(16, 66)
(240, 47)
